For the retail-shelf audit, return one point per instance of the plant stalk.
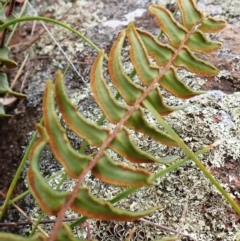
(195, 159)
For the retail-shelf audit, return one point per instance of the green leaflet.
(138, 54)
(4, 87)
(2, 111)
(119, 174)
(175, 86)
(212, 25)
(72, 161)
(176, 32)
(4, 53)
(122, 144)
(94, 208)
(48, 199)
(111, 108)
(106, 169)
(85, 203)
(199, 43)
(127, 88)
(192, 63)
(173, 30)
(189, 13)
(169, 81)
(162, 53)
(114, 111)
(78, 123)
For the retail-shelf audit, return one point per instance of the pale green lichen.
(82, 16)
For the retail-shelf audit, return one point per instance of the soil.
(16, 131)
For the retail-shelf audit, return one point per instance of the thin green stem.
(160, 174)
(18, 173)
(5, 4)
(41, 216)
(22, 195)
(49, 20)
(191, 154)
(15, 26)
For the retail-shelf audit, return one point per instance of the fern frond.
(185, 39)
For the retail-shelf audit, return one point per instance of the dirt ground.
(15, 132)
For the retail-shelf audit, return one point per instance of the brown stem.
(29, 223)
(118, 127)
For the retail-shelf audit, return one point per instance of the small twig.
(5, 100)
(20, 71)
(58, 45)
(87, 226)
(166, 228)
(23, 223)
(186, 208)
(26, 216)
(130, 235)
(41, 32)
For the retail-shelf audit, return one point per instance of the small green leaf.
(119, 174)
(175, 86)
(199, 43)
(111, 108)
(4, 53)
(173, 30)
(4, 87)
(123, 145)
(2, 111)
(72, 161)
(138, 54)
(77, 122)
(212, 25)
(86, 204)
(192, 63)
(48, 199)
(189, 13)
(160, 52)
